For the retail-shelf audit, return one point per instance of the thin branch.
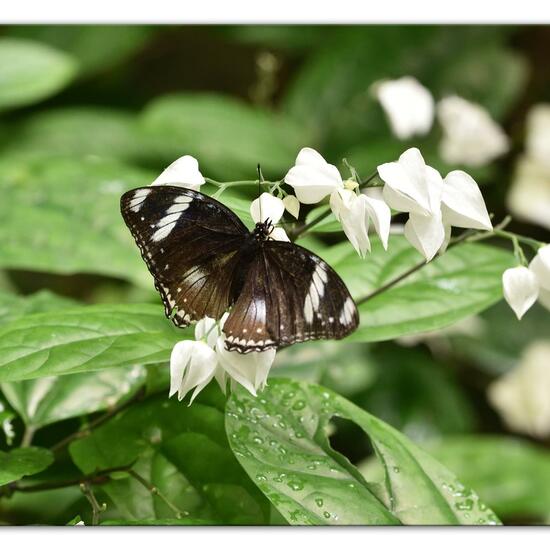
(86, 488)
(299, 231)
(28, 434)
(469, 236)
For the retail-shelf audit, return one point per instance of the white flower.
(521, 289)
(540, 266)
(354, 212)
(538, 135)
(408, 105)
(250, 369)
(192, 365)
(522, 286)
(292, 205)
(266, 207)
(183, 172)
(462, 203)
(522, 396)
(470, 135)
(433, 204)
(312, 177)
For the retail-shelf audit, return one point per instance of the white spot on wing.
(137, 200)
(163, 232)
(308, 309)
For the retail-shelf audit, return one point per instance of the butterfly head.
(263, 230)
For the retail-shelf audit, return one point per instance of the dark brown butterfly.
(205, 261)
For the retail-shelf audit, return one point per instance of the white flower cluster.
(194, 363)
(523, 285)
(470, 136)
(434, 204)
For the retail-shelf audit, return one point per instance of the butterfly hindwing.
(290, 296)
(191, 245)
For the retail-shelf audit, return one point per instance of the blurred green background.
(88, 111)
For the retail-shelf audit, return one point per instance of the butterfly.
(205, 261)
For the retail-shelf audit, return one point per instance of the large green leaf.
(46, 400)
(463, 281)
(23, 462)
(84, 339)
(62, 215)
(228, 137)
(280, 439)
(30, 72)
(13, 306)
(80, 131)
(184, 452)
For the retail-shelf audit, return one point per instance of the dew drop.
(296, 485)
(319, 502)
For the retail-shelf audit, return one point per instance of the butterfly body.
(205, 262)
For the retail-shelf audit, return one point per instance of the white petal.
(470, 135)
(179, 361)
(463, 204)
(250, 369)
(380, 213)
(200, 370)
(520, 289)
(312, 177)
(267, 206)
(540, 266)
(446, 240)
(425, 233)
(207, 328)
(406, 186)
(279, 234)
(292, 205)
(352, 214)
(544, 298)
(183, 172)
(408, 105)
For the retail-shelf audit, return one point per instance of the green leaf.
(280, 440)
(184, 452)
(84, 339)
(30, 72)
(62, 215)
(47, 400)
(463, 281)
(96, 47)
(228, 137)
(13, 307)
(511, 475)
(23, 462)
(165, 521)
(80, 131)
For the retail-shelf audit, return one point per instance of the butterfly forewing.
(191, 245)
(290, 296)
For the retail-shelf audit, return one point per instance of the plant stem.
(86, 488)
(299, 231)
(28, 434)
(525, 240)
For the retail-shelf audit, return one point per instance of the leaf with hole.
(280, 439)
